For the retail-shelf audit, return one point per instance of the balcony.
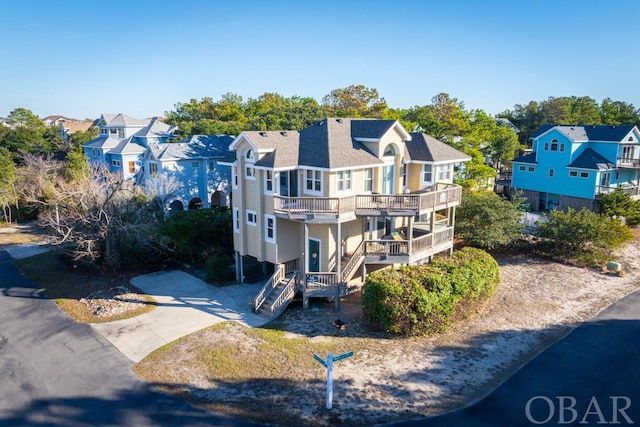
(631, 189)
(627, 162)
(440, 196)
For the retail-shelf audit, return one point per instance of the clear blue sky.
(141, 57)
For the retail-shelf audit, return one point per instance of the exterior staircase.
(276, 294)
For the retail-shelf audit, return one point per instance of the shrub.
(575, 231)
(487, 221)
(217, 268)
(417, 300)
(619, 203)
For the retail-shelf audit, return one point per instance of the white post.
(330, 381)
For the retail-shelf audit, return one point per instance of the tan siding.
(352, 234)
(414, 177)
(289, 238)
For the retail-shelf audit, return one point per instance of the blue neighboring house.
(144, 151)
(570, 165)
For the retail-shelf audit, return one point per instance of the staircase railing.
(353, 263)
(268, 287)
(284, 297)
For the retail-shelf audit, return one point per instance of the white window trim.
(444, 172)
(116, 163)
(313, 180)
(365, 180)
(266, 228)
(255, 218)
(344, 180)
(266, 180)
(246, 172)
(236, 220)
(234, 177)
(422, 172)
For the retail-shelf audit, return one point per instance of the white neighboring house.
(193, 164)
(142, 150)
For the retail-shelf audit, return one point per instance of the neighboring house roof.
(527, 158)
(425, 148)
(128, 146)
(197, 146)
(102, 142)
(613, 133)
(503, 121)
(77, 126)
(590, 159)
(155, 128)
(123, 120)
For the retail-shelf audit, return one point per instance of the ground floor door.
(313, 259)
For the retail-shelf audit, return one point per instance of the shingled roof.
(590, 159)
(425, 148)
(527, 158)
(613, 133)
(196, 146)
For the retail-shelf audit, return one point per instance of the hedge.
(424, 299)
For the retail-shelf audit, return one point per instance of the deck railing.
(633, 190)
(354, 261)
(440, 195)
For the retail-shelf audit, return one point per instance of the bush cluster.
(424, 299)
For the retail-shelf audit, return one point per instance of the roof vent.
(262, 133)
(283, 133)
(339, 120)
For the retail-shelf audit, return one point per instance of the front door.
(314, 255)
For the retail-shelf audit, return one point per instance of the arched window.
(249, 155)
(218, 199)
(195, 203)
(176, 206)
(389, 151)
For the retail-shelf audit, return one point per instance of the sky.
(141, 58)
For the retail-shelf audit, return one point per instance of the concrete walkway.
(185, 304)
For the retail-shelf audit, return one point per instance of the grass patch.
(241, 371)
(67, 286)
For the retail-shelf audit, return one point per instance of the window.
(403, 174)
(212, 166)
(573, 173)
(531, 169)
(236, 220)
(522, 168)
(252, 218)
(234, 171)
(605, 179)
(389, 151)
(554, 145)
(562, 148)
(368, 180)
(427, 176)
(313, 181)
(153, 169)
(115, 163)
(249, 155)
(250, 172)
(195, 164)
(546, 146)
(132, 167)
(584, 174)
(444, 173)
(270, 228)
(268, 181)
(551, 172)
(103, 131)
(94, 152)
(113, 131)
(344, 181)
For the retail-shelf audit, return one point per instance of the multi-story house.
(193, 165)
(320, 207)
(143, 150)
(569, 166)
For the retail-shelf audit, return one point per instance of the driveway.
(185, 304)
(56, 372)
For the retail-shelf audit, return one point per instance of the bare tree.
(96, 217)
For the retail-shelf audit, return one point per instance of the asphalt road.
(592, 377)
(56, 372)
